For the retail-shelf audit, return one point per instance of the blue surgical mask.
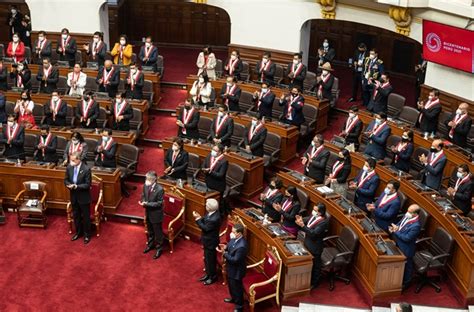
(213, 153)
(386, 191)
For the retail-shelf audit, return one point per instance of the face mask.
(105, 138)
(325, 44)
(55, 98)
(313, 143)
(44, 135)
(10, 123)
(73, 164)
(254, 123)
(314, 213)
(430, 98)
(147, 44)
(20, 67)
(458, 111)
(118, 101)
(15, 39)
(232, 235)
(229, 84)
(175, 148)
(75, 141)
(122, 42)
(295, 62)
(383, 80)
(24, 98)
(378, 121)
(64, 36)
(205, 52)
(351, 115)
(96, 40)
(201, 80)
(408, 215)
(365, 168)
(148, 183)
(13, 11)
(325, 72)
(220, 114)
(264, 90)
(271, 186)
(405, 138)
(213, 153)
(187, 107)
(372, 56)
(386, 191)
(459, 175)
(46, 66)
(134, 70)
(264, 60)
(233, 57)
(40, 38)
(294, 94)
(433, 149)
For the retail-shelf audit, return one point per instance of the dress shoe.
(210, 281)
(87, 240)
(203, 278)
(157, 254)
(76, 237)
(148, 249)
(350, 100)
(238, 310)
(228, 300)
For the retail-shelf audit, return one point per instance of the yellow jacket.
(126, 54)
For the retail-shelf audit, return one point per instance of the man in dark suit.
(230, 94)
(270, 197)
(461, 190)
(209, 225)
(264, 101)
(48, 77)
(42, 47)
(14, 21)
(365, 184)
(315, 228)
(293, 107)
(215, 169)
(434, 163)
(315, 159)
(134, 82)
(326, 53)
(377, 132)
(386, 208)
(235, 254)
(373, 68)
(97, 49)
(222, 127)
(87, 111)
(55, 111)
(67, 47)
(13, 137)
(358, 64)
(403, 151)
(429, 113)
(188, 121)
(108, 79)
(265, 69)
(122, 113)
(233, 65)
(45, 146)
(152, 201)
(405, 234)
(324, 82)
(296, 72)
(380, 92)
(254, 138)
(78, 181)
(105, 150)
(149, 54)
(176, 160)
(459, 124)
(352, 128)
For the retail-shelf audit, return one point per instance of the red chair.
(262, 282)
(224, 239)
(96, 206)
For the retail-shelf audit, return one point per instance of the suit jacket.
(25, 78)
(126, 54)
(429, 118)
(85, 149)
(81, 195)
(60, 116)
(45, 52)
(124, 124)
(289, 217)
(92, 114)
(378, 99)
(354, 134)
(296, 113)
(137, 92)
(268, 205)
(463, 196)
(297, 81)
(3, 78)
(401, 160)
(192, 129)
(236, 256)
(238, 68)
(70, 50)
(225, 132)
(376, 147)
(152, 58)
(314, 235)
(114, 80)
(406, 238)
(433, 174)
(100, 55)
(232, 100)
(215, 179)
(267, 74)
(3, 113)
(326, 87)
(19, 55)
(328, 56)
(49, 152)
(180, 164)
(153, 195)
(15, 149)
(51, 81)
(344, 173)
(366, 193)
(257, 141)
(108, 155)
(210, 225)
(266, 104)
(370, 71)
(461, 131)
(316, 167)
(387, 214)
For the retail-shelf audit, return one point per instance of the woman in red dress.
(24, 108)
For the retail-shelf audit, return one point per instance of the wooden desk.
(121, 137)
(195, 201)
(296, 270)
(322, 106)
(42, 98)
(253, 180)
(58, 195)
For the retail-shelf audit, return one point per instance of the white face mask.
(458, 111)
(325, 72)
(459, 175)
(64, 36)
(105, 138)
(264, 60)
(314, 213)
(213, 153)
(372, 56)
(147, 44)
(313, 143)
(175, 148)
(386, 191)
(96, 40)
(13, 11)
(295, 62)
(55, 98)
(75, 141)
(254, 123)
(233, 57)
(134, 70)
(378, 121)
(232, 235)
(122, 42)
(220, 114)
(73, 164)
(10, 123)
(229, 84)
(325, 44)
(201, 80)
(118, 101)
(352, 115)
(40, 38)
(16, 39)
(264, 90)
(430, 98)
(20, 67)
(408, 215)
(148, 183)
(365, 168)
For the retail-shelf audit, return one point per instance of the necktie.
(76, 173)
(220, 119)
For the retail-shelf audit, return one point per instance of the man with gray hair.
(152, 201)
(209, 225)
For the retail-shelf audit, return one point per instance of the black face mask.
(187, 107)
(340, 158)
(44, 135)
(433, 150)
(24, 98)
(404, 140)
(271, 186)
(294, 94)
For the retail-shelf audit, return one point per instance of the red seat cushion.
(176, 226)
(271, 265)
(253, 277)
(220, 260)
(172, 205)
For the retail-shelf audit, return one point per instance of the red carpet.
(171, 97)
(163, 126)
(151, 159)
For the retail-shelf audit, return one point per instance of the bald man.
(209, 225)
(108, 79)
(459, 125)
(434, 164)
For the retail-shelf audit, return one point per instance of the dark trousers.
(408, 270)
(236, 291)
(82, 219)
(155, 233)
(356, 83)
(210, 255)
(316, 270)
(366, 93)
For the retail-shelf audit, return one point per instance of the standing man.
(209, 225)
(188, 121)
(48, 77)
(254, 138)
(434, 165)
(45, 146)
(296, 72)
(78, 181)
(87, 111)
(148, 54)
(215, 168)
(76, 80)
(381, 90)
(222, 127)
(373, 67)
(265, 69)
(108, 79)
(386, 208)
(134, 83)
(460, 191)
(67, 47)
(105, 150)
(122, 113)
(377, 132)
(324, 82)
(352, 128)
(55, 111)
(315, 159)
(152, 201)
(264, 101)
(292, 107)
(13, 138)
(97, 49)
(459, 125)
(42, 47)
(429, 113)
(358, 62)
(235, 254)
(230, 94)
(365, 184)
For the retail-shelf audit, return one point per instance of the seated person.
(215, 169)
(76, 144)
(201, 91)
(264, 101)
(265, 69)
(459, 125)
(340, 171)
(55, 111)
(122, 51)
(460, 191)
(16, 49)
(234, 66)
(293, 107)
(48, 77)
(386, 208)
(13, 138)
(121, 112)
(402, 152)
(149, 54)
(429, 113)
(188, 121)
(176, 160)
(270, 196)
(76, 80)
(97, 49)
(381, 91)
(42, 47)
(108, 79)
(67, 48)
(352, 128)
(324, 82)
(315, 159)
(434, 163)
(24, 108)
(134, 83)
(365, 185)
(45, 146)
(230, 94)
(377, 133)
(296, 72)
(21, 76)
(206, 63)
(254, 138)
(222, 127)
(105, 150)
(288, 208)
(87, 111)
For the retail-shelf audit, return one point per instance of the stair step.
(420, 308)
(306, 307)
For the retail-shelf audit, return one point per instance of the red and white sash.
(186, 118)
(46, 141)
(106, 146)
(117, 111)
(231, 65)
(405, 222)
(366, 178)
(261, 96)
(214, 161)
(336, 168)
(434, 160)
(255, 130)
(133, 79)
(400, 148)
(97, 48)
(457, 120)
(269, 193)
(264, 67)
(77, 148)
(12, 132)
(428, 105)
(121, 51)
(55, 108)
(46, 72)
(376, 91)
(379, 128)
(290, 107)
(86, 106)
(64, 44)
(315, 152)
(351, 124)
(174, 155)
(287, 205)
(41, 44)
(325, 79)
(459, 182)
(387, 199)
(148, 51)
(106, 76)
(219, 125)
(230, 91)
(314, 220)
(298, 69)
(19, 81)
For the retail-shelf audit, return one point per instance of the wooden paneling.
(81, 38)
(450, 102)
(254, 54)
